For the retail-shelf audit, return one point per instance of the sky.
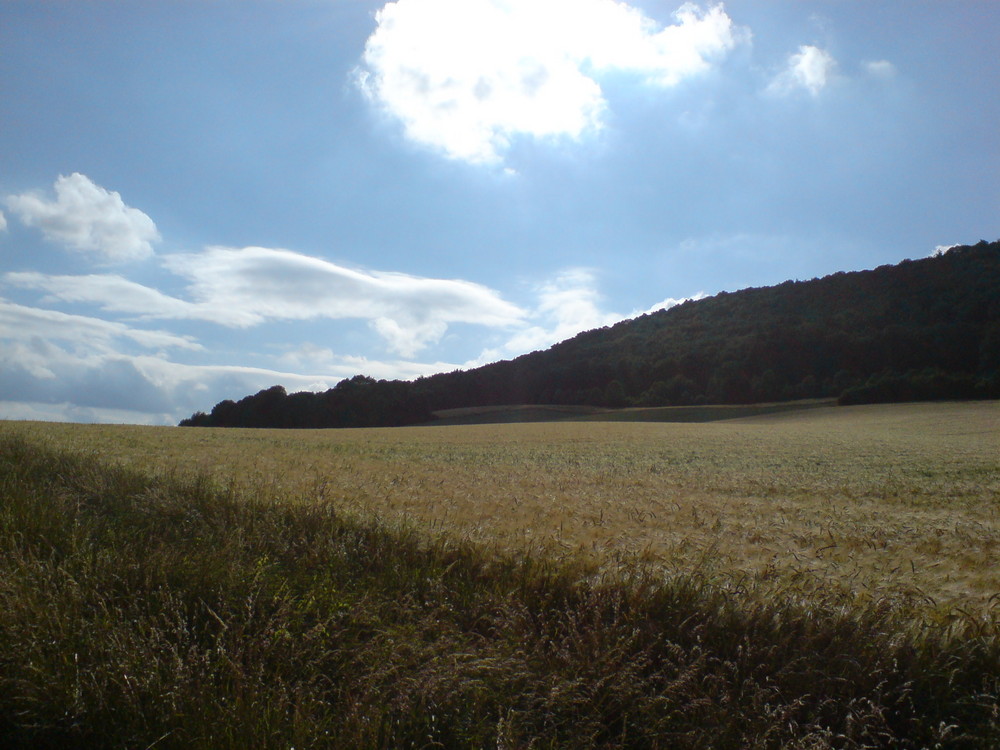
(201, 199)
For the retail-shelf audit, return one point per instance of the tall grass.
(177, 613)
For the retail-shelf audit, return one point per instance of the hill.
(919, 330)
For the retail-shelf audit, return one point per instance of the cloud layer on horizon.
(105, 366)
(56, 365)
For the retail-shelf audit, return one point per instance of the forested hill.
(918, 330)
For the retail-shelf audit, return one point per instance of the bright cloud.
(3, 222)
(244, 287)
(940, 250)
(811, 68)
(409, 312)
(87, 218)
(567, 305)
(466, 76)
(674, 302)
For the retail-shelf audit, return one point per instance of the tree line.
(357, 402)
(921, 329)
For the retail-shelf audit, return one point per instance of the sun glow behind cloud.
(465, 77)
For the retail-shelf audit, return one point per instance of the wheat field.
(868, 502)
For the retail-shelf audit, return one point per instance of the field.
(816, 579)
(867, 501)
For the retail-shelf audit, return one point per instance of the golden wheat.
(869, 501)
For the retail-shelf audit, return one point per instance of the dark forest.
(920, 330)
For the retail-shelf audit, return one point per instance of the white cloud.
(409, 312)
(74, 368)
(32, 325)
(3, 222)
(70, 365)
(55, 365)
(466, 76)
(244, 287)
(811, 68)
(881, 69)
(114, 293)
(940, 250)
(84, 386)
(87, 218)
(317, 359)
(672, 302)
(66, 411)
(567, 305)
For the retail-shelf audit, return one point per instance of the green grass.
(175, 612)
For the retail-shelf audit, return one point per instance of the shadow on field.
(138, 612)
(557, 413)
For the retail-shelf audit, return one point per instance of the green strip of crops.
(172, 613)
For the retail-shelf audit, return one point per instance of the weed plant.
(174, 612)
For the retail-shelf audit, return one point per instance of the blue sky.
(202, 199)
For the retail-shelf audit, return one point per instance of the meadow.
(816, 579)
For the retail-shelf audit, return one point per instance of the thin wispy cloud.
(48, 357)
(31, 324)
(881, 69)
(313, 358)
(568, 304)
(465, 77)
(84, 217)
(114, 293)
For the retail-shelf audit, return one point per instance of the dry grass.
(245, 609)
(871, 501)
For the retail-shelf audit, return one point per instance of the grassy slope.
(169, 612)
